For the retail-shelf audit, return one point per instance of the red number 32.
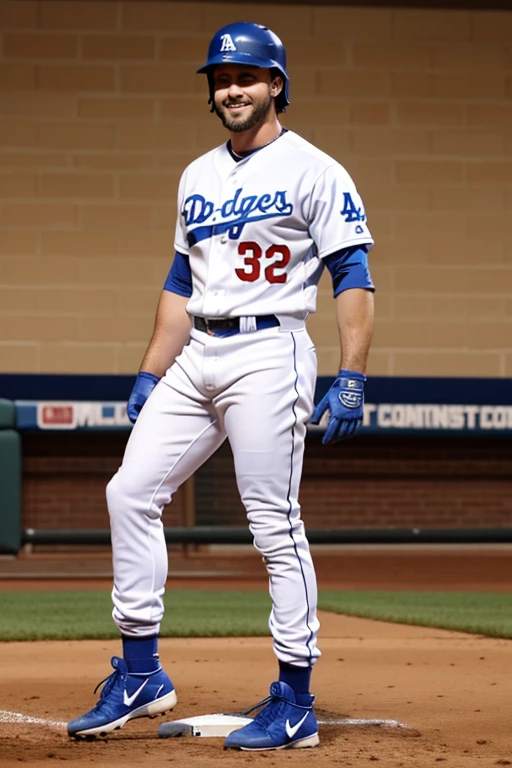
(274, 272)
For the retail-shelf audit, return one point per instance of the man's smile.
(237, 107)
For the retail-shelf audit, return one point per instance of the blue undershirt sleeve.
(349, 269)
(179, 279)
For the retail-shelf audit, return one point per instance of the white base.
(222, 725)
(203, 725)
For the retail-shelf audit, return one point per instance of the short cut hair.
(280, 98)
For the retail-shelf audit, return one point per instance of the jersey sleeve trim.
(179, 279)
(349, 269)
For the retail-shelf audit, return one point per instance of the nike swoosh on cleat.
(128, 700)
(292, 730)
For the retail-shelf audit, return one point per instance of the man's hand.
(345, 402)
(143, 387)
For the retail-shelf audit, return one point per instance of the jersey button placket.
(211, 293)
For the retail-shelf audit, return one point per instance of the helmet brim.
(238, 57)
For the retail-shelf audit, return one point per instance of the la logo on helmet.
(227, 43)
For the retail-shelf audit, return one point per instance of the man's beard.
(237, 126)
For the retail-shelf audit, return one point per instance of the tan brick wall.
(100, 110)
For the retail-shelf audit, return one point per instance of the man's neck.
(256, 137)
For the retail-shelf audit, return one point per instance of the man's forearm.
(171, 333)
(355, 312)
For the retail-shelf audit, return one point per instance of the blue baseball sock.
(141, 653)
(298, 678)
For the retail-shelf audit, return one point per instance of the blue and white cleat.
(281, 724)
(124, 697)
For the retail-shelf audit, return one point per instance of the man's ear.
(276, 85)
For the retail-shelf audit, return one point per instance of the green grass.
(482, 613)
(195, 613)
(87, 615)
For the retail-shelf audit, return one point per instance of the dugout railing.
(229, 535)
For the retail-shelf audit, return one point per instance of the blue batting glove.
(143, 387)
(345, 402)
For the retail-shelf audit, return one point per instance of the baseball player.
(259, 218)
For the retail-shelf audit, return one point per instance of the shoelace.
(110, 681)
(261, 703)
(267, 716)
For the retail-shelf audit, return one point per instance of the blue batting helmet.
(246, 43)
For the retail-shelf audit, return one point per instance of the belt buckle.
(209, 331)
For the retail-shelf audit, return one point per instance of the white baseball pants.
(257, 390)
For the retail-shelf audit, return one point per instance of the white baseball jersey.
(256, 230)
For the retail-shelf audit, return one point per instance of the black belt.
(229, 326)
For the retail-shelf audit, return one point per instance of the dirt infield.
(451, 690)
(447, 695)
